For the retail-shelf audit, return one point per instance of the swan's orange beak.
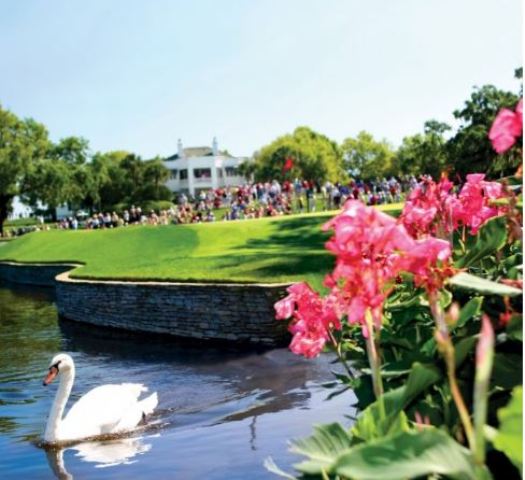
(53, 372)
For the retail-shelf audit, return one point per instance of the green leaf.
(371, 424)
(409, 455)
(509, 438)
(322, 448)
(515, 327)
(463, 348)
(471, 309)
(507, 371)
(491, 237)
(466, 281)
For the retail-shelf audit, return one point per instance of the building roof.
(197, 152)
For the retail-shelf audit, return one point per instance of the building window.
(219, 173)
(184, 174)
(202, 172)
(173, 174)
(231, 172)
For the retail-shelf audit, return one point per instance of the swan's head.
(60, 363)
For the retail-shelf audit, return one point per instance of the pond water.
(220, 414)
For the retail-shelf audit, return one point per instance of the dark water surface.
(220, 413)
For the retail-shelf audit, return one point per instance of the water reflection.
(257, 383)
(233, 408)
(108, 453)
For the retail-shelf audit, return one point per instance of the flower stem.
(484, 363)
(447, 349)
(340, 355)
(375, 363)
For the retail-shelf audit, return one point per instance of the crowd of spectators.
(254, 200)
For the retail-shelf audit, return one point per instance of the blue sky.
(137, 75)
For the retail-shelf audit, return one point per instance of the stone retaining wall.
(224, 312)
(42, 274)
(227, 312)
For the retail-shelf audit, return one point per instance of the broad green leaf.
(463, 348)
(490, 238)
(370, 423)
(429, 347)
(471, 309)
(515, 327)
(409, 455)
(322, 448)
(420, 378)
(466, 281)
(509, 438)
(507, 371)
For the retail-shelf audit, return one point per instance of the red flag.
(288, 164)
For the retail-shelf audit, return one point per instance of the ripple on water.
(220, 413)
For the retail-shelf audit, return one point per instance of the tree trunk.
(4, 204)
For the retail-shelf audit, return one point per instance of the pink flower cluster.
(429, 208)
(433, 209)
(473, 206)
(313, 318)
(507, 128)
(372, 249)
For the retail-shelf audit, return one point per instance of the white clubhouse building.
(201, 168)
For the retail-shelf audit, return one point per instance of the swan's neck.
(59, 404)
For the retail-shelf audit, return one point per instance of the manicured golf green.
(269, 250)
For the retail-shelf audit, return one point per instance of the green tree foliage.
(60, 176)
(247, 169)
(470, 150)
(368, 158)
(121, 178)
(22, 143)
(424, 153)
(154, 177)
(72, 150)
(315, 157)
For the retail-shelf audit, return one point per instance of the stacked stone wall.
(225, 312)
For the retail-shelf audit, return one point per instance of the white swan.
(104, 410)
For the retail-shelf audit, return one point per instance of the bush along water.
(428, 309)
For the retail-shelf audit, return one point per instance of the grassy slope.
(269, 250)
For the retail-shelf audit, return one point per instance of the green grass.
(21, 222)
(268, 250)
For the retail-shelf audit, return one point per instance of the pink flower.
(427, 261)
(313, 318)
(285, 307)
(307, 345)
(506, 128)
(372, 249)
(428, 208)
(473, 208)
(368, 245)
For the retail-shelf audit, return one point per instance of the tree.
(48, 181)
(366, 157)
(247, 168)
(106, 180)
(424, 154)
(314, 157)
(470, 149)
(154, 177)
(122, 178)
(60, 177)
(72, 150)
(22, 142)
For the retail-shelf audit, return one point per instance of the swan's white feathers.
(102, 410)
